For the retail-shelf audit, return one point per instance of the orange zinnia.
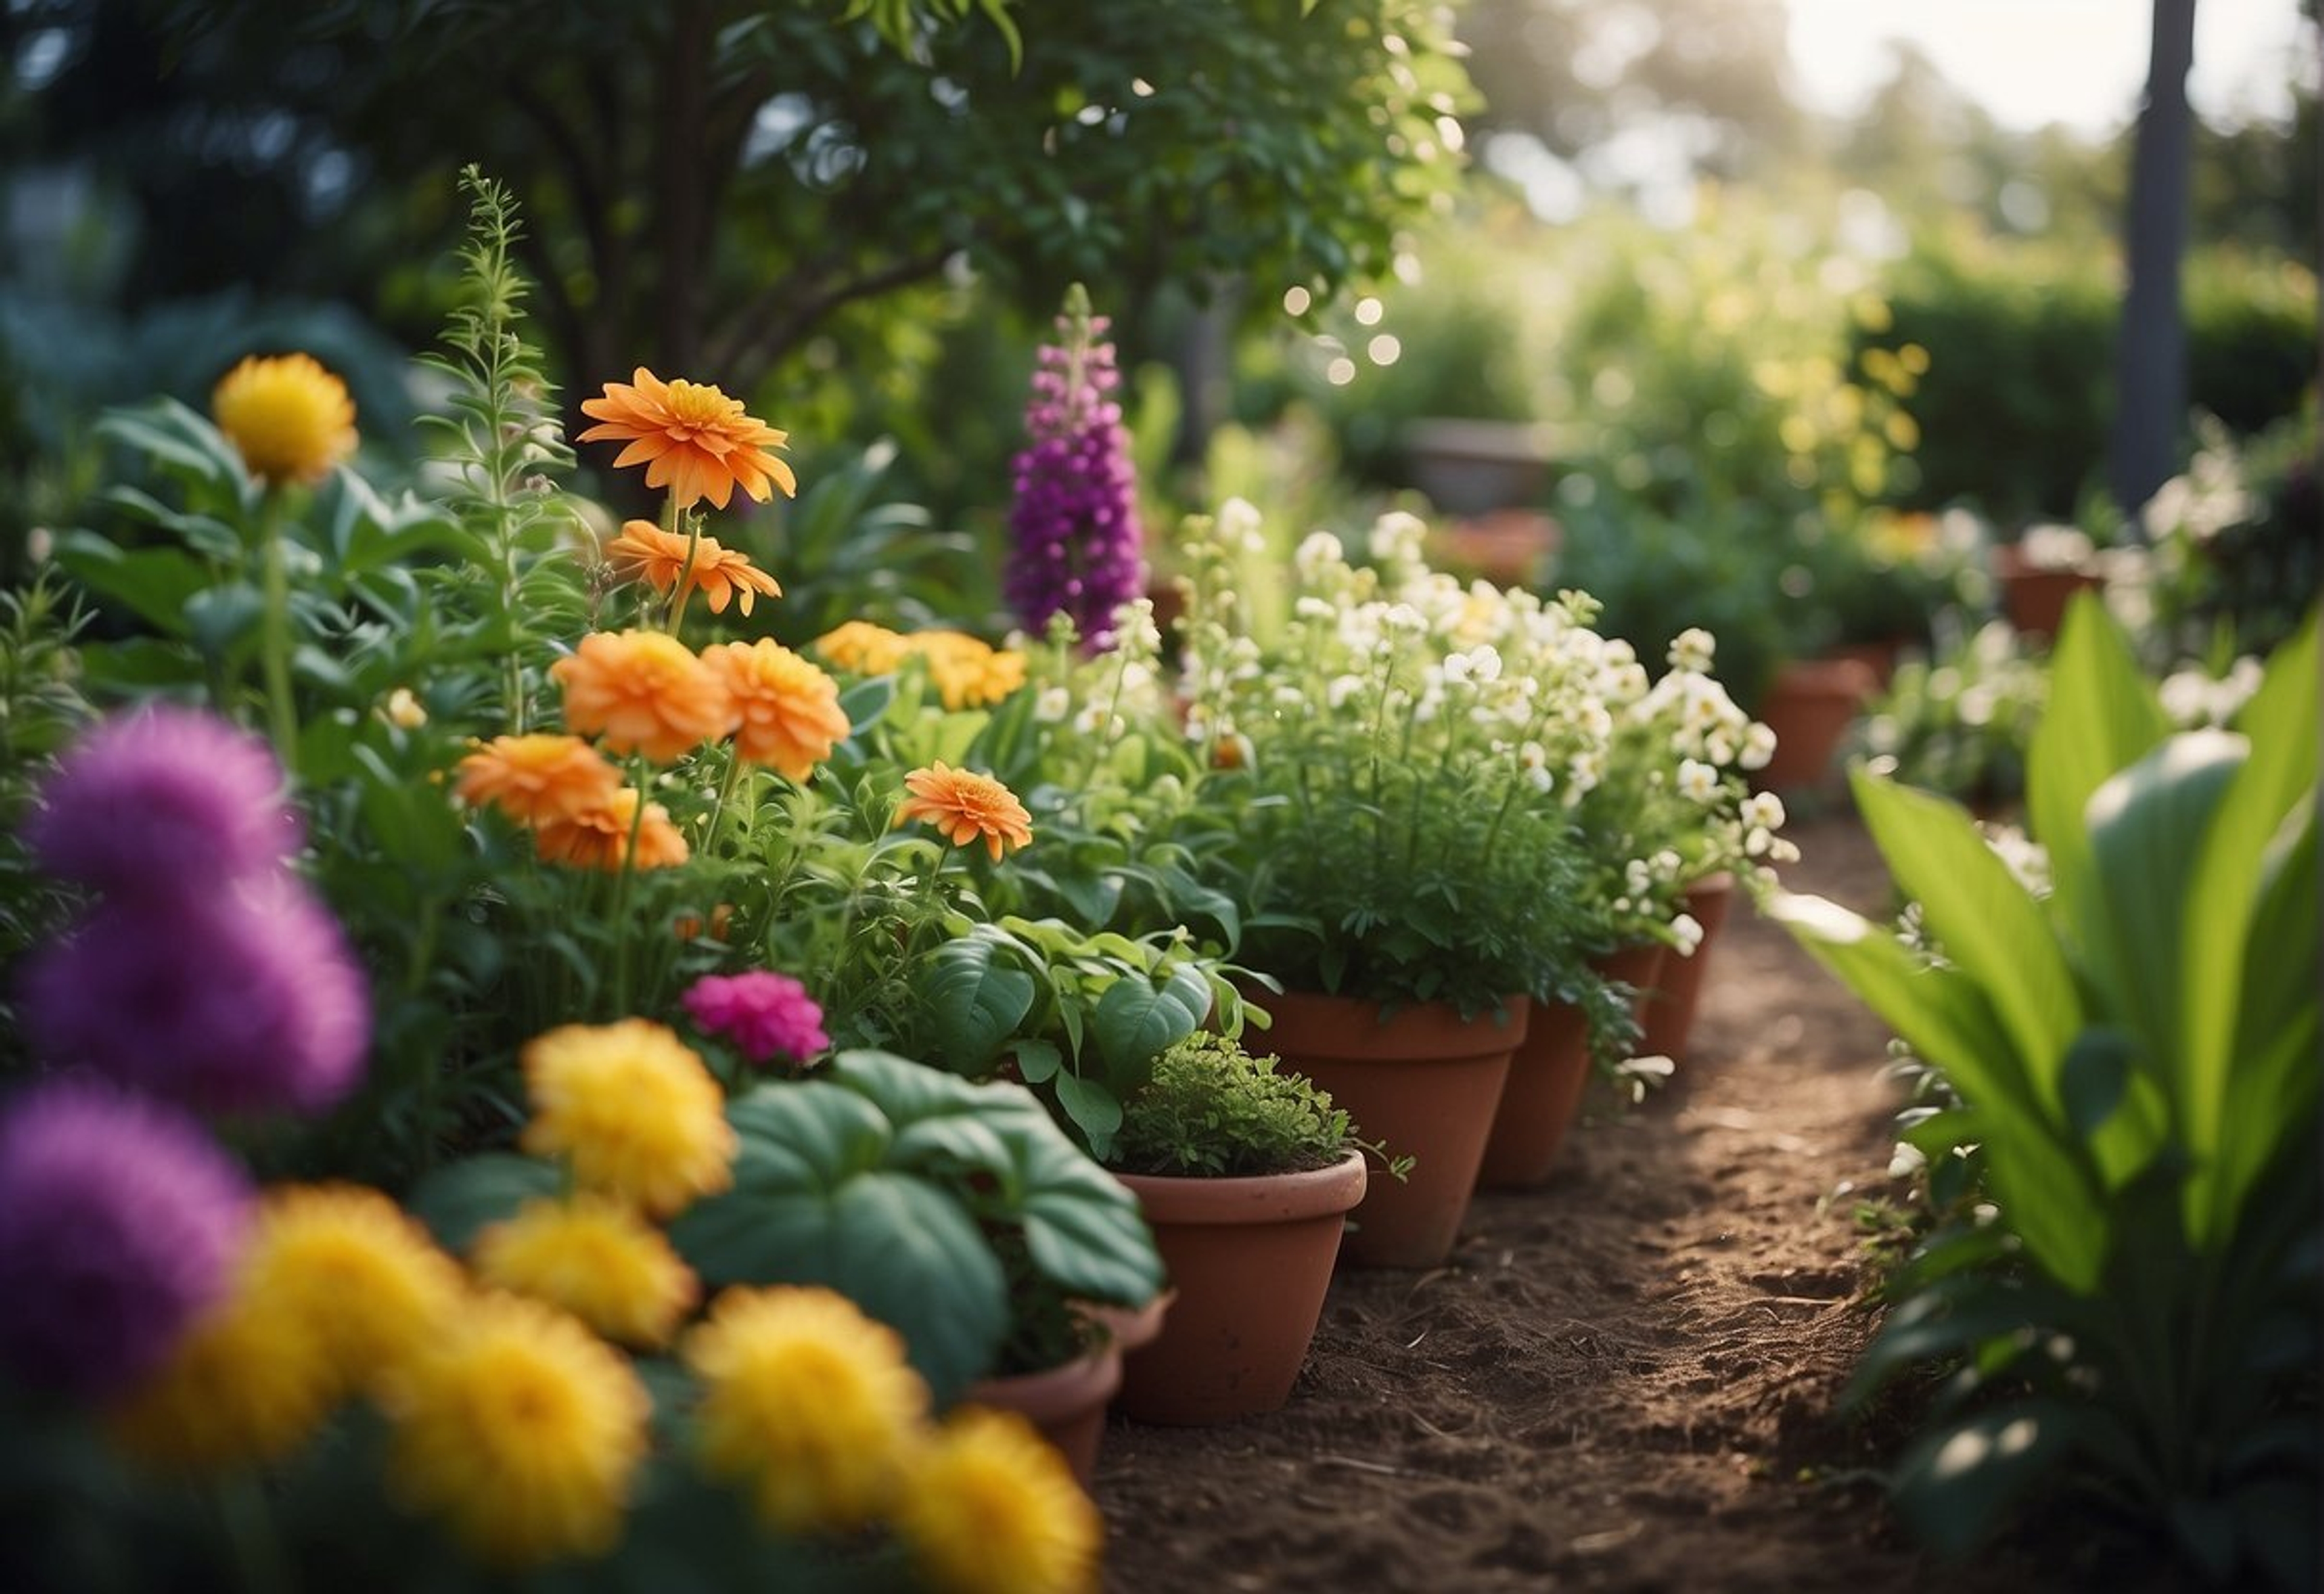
(718, 573)
(643, 692)
(599, 837)
(790, 710)
(863, 647)
(692, 439)
(964, 806)
(537, 779)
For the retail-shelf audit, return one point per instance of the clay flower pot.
(1809, 708)
(1068, 1403)
(1425, 1083)
(2033, 596)
(1678, 989)
(1544, 1091)
(1250, 1259)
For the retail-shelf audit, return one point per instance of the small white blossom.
(1318, 551)
(1758, 747)
(1687, 934)
(1052, 705)
(1763, 808)
(1691, 650)
(1697, 780)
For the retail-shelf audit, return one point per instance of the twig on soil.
(1382, 1468)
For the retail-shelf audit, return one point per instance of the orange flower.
(600, 838)
(964, 806)
(537, 779)
(717, 573)
(863, 647)
(789, 709)
(643, 692)
(692, 439)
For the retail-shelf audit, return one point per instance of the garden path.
(1623, 1380)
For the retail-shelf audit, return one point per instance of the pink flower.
(766, 1015)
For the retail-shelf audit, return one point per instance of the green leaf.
(1136, 1021)
(155, 583)
(975, 1002)
(2096, 1078)
(1986, 922)
(2271, 1083)
(1037, 1060)
(1095, 1110)
(218, 617)
(457, 1201)
(2102, 716)
(1957, 1481)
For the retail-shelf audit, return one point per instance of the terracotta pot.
(1068, 1403)
(1678, 986)
(2034, 596)
(1250, 1259)
(1543, 1093)
(1809, 708)
(1425, 1083)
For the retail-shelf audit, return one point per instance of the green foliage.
(1959, 722)
(41, 709)
(908, 1190)
(1212, 1108)
(2133, 1057)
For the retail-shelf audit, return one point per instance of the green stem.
(625, 942)
(735, 762)
(274, 637)
(257, 1548)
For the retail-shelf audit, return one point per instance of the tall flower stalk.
(1077, 541)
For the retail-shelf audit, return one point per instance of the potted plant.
(1389, 777)
(1246, 1174)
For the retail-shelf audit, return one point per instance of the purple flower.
(1077, 542)
(766, 1015)
(163, 801)
(120, 1220)
(243, 1001)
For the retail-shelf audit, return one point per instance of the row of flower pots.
(1484, 1103)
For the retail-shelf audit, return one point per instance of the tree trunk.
(2151, 348)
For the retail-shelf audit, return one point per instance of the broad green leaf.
(1957, 1481)
(2102, 716)
(2272, 1080)
(976, 1002)
(2039, 1172)
(458, 1200)
(1983, 920)
(2145, 827)
(1038, 1060)
(218, 617)
(155, 583)
(1082, 1227)
(1136, 1022)
(811, 1132)
(2095, 1077)
(1095, 1110)
(2215, 928)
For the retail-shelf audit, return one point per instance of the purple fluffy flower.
(163, 801)
(120, 1220)
(1077, 543)
(766, 1015)
(243, 1001)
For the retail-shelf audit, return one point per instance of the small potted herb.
(1246, 1174)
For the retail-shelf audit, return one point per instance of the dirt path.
(1623, 1379)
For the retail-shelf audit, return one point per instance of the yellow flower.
(597, 1259)
(539, 780)
(642, 691)
(807, 1402)
(691, 438)
(633, 1108)
(991, 1509)
(789, 713)
(718, 573)
(522, 1431)
(968, 672)
(362, 1274)
(404, 711)
(248, 1385)
(966, 806)
(864, 648)
(599, 837)
(291, 420)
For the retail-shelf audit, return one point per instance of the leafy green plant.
(958, 1213)
(1959, 722)
(2130, 1306)
(1212, 1108)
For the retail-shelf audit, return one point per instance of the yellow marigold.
(968, 672)
(358, 1271)
(521, 1429)
(991, 1508)
(718, 573)
(642, 691)
(633, 1108)
(692, 439)
(248, 1385)
(788, 710)
(540, 778)
(597, 1259)
(965, 806)
(862, 647)
(807, 1402)
(599, 838)
(291, 420)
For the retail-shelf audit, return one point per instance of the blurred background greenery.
(1737, 351)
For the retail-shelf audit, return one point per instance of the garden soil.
(1625, 1378)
